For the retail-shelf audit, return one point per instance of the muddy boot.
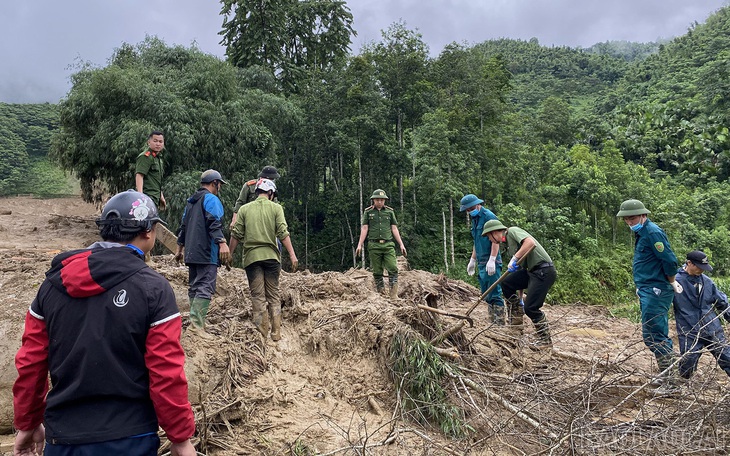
(516, 314)
(198, 312)
(276, 327)
(668, 381)
(496, 313)
(394, 291)
(261, 321)
(543, 333)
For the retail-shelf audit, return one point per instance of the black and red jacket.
(107, 327)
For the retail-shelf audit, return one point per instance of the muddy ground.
(329, 386)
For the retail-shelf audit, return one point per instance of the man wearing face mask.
(654, 270)
(485, 257)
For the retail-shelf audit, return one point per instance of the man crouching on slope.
(107, 327)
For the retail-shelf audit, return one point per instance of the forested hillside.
(25, 138)
(552, 138)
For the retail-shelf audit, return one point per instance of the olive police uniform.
(381, 248)
(150, 165)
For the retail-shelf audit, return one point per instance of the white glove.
(471, 266)
(492, 265)
(677, 287)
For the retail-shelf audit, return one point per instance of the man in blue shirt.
(654, 268)
(200, 242)
(486, 258)
(697, 310)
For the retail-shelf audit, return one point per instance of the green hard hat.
(492, 225)
(378, 193)
(632, 207)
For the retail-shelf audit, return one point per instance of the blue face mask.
(474, 213)
(637, 227)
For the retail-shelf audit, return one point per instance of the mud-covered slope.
(329, 386)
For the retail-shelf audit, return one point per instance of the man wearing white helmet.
(258, 226)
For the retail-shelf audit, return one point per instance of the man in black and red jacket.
(107, 327)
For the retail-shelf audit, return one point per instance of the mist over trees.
(552, 138)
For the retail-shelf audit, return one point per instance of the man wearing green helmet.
(536, 275)
(380, 227)
(654, 268)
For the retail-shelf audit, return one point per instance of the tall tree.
(291, 38)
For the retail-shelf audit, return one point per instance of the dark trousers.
(536, 284)
(144, 445)
(691, 346)
(202, 280)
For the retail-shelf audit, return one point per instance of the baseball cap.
(699, 259)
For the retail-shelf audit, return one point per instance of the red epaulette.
(388, 207)
(369, 207)
(147, 154)
(252, 182)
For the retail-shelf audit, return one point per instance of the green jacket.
(258, 225)
(150, 165)
(379, 223)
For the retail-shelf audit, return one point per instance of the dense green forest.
(552, 138)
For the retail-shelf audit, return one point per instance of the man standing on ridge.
(259, 227)
(485, 256)
(149, 169)
(248, 191)
(200, 242)
(107, 328)
(654, 268)
(380, 227)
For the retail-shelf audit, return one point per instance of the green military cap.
(492, 225)
(632, 207)
(379, 194)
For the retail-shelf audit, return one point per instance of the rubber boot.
(261, 321)
(543, 333)
(379, 286)
(516, 313)
(276, 327)
(394, 291)
(668, 381)
(198, 312)
(496, 313)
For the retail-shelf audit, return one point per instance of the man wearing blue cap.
(484, 256)
(697, 311)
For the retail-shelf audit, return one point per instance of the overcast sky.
(41, 40)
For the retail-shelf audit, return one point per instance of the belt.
(379, 241)
(544, 264)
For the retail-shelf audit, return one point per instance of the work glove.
(470, 268)
(492, 265)
(513, 266)
(677, 287)
(179, 256)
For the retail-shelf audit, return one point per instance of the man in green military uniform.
(380, 227)
(248, 191)
(149, 168)
(536, 275)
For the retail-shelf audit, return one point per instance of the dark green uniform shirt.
(248, 194)
(379, 222)
(149, 165)
(538, 255)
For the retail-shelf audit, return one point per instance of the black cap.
(269, 172)
(699, 259)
